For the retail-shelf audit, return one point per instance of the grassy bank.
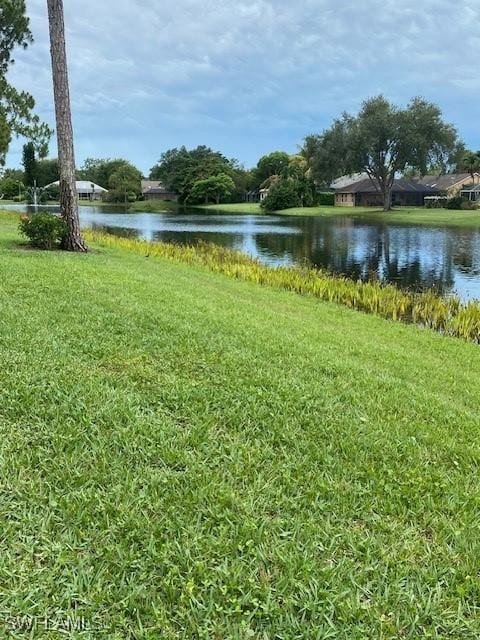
(448, 316)
(418, 215)
(188, 455)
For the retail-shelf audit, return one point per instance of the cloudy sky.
(248, 76)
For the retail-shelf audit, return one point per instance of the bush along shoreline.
(448, 316)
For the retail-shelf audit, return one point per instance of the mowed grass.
(413, 215)
(185, 455)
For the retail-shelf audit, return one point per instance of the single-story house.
(86, 190)
(365, 193)
(449, 184)
(155, 190)
(263, 194)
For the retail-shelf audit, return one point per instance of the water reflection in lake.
(415, 256)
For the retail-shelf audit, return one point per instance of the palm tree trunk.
(66, 157)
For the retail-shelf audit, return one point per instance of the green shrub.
(282, 195)
(9, 188)
(468, 205)
(455, 202)
(43, 230)
(435, 202)
(326, 198)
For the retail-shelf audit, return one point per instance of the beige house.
(450, 184)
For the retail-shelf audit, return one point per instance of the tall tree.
(382, 141)
(30, 167)
(66, 158)
(16, 107)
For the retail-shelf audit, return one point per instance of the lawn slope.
(184, 455)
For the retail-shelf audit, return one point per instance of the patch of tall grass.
(448, 315)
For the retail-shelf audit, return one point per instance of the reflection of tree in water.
(466, 250)
(123, 232)
(229, 240)
(409, 256)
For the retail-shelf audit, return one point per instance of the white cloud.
(249, 75)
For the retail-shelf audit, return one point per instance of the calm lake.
(414, 256)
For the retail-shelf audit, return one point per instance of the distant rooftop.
(345, 181)
(84, 186)
(444, 182)
(402, 184)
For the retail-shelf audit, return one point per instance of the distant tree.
(9, 188)
(124, 183)
(214, 188)
(283, 194)
(382, 141)
(47, 172)
(72, 240)
(471, 163)
(299, 172)
(14, 174)
(100, 170)
(29, 162)
(180, 169)
(16, 107)
(243, 179)
(273, 164)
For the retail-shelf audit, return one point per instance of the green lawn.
(418, 215)
(185, 455)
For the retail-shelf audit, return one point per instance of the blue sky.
(247, 76)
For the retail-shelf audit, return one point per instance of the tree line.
(382, 140)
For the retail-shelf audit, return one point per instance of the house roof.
(402, 184)
(153, 186)
(444, 182)
(157, 190)
(345, 181)
(85, 186)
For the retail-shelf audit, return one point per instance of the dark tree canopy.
(124, 183)
(47, 171)
(273, 164)
(30, 167)
(179, 169)
(383, 141)
(214, 188)
(16, 107)
(101, 170)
